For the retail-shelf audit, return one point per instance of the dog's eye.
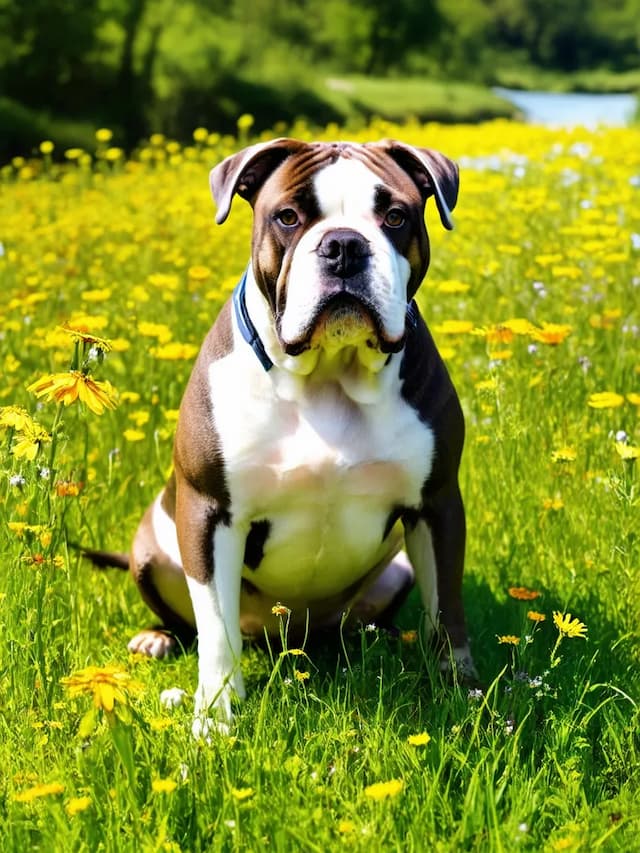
(287, 217)
(395, 218)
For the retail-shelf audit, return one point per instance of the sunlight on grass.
(111, 272)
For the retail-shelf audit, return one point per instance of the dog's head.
(339, 239)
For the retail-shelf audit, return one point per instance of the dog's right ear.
(245, 172)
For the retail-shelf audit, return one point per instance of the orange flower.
(522, 593)
(551, 333)
(535, 616)
(68, 387)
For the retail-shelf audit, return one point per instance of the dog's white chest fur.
(322, 471)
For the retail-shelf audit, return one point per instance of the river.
(568, 109)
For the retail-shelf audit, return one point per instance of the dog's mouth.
(343, 320)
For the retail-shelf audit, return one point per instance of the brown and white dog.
(319, 434)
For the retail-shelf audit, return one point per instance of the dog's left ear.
(432, 172)
(245, 172)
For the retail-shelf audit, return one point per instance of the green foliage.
(137, 65)
(547, 756)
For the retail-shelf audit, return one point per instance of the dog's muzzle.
(343, 254)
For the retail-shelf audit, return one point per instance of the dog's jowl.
(317, 449)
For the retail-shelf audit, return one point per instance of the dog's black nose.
(344, 252)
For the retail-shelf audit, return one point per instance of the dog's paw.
(153, 643)
(204, 728)
(459, 664)
(172, 697)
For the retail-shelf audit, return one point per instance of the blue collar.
(250, 333)
(247, 329)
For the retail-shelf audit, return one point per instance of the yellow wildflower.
(107, 685)
(454, 327)
(384, 790)
(301, 676)
(79, 333)
(564, 454)
(508, 639)
(421, 739)
(14, 417)
(46, 147)
(409, 637)
(551, 333)
(134, 435)
(535, 616)
(567, 626)
(522, 593)
(346, 826)
(68, 387)
(76, 805)
(280, 610)
(627, 451)
(633, 398)
(30, 440)
(605, 400)
(38, 791)
(104, 135)
(199, 273)
(163, 786)
(242, 793)
(174, 351)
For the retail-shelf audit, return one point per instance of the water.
(560, 109)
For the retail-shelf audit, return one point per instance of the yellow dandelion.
(242, 793)
(174, 351)
(409, 637)
(346, 826)
(564, 454)
(245, 122)
(605, 400)
(71, 386)
(199, 273)
(551, 333)
(76, 805)
(30, 440)
(46, 147)
(159, 724)
(155, 330)
(14, 417)
(163, 786)
(200, 134)
(625, 451)
(134, 435)
(81, 334)
(421, 739)
(522, 593)
(280, 610)
(552, 503)
(38, 791)
(567, 626)
(108, 685)
(633, 398)
(535, 616)
(384, 790)
(508, 639)
(301, 676)
(104, 135)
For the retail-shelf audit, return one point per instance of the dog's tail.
(105, 559)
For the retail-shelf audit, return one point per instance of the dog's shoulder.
(427, 387)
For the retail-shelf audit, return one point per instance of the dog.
(319, 437)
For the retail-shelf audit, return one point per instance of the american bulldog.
(319, 438)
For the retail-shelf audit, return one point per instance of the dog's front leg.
(212, 553)
(435, 546)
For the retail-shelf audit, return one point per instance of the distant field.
(423, 99)
(534, 300)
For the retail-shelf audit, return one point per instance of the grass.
(397, 99)
(534, 302)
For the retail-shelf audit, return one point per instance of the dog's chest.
(320, 475)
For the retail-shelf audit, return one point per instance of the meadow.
(114, 269)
